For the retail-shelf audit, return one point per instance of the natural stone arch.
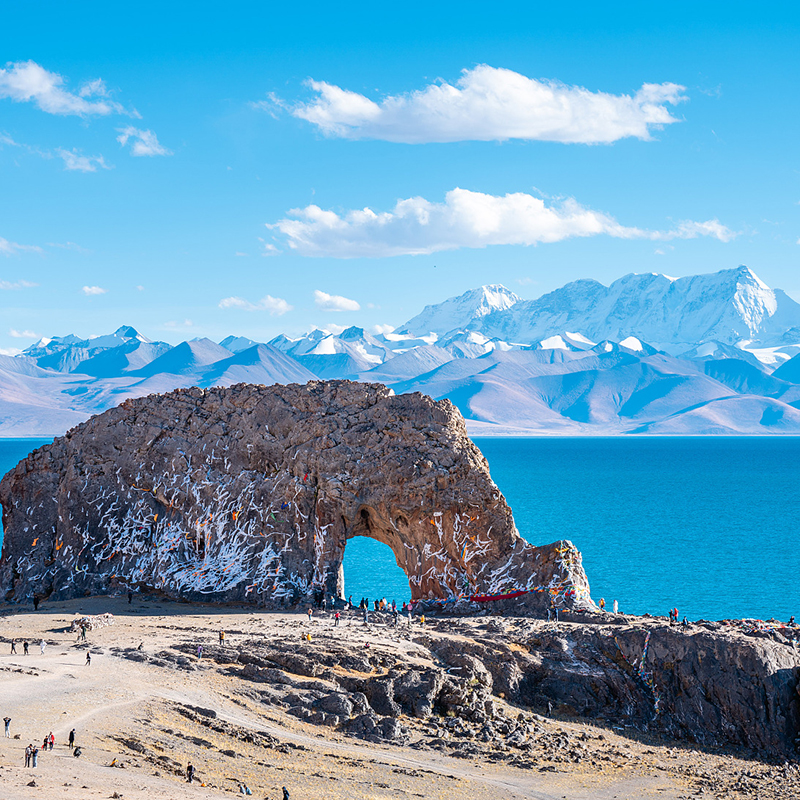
(251, 492)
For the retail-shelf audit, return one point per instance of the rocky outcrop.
(251, 493)
(708, 685)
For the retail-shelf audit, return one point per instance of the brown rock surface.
(251, 493)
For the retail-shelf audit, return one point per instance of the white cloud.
(95, 88)
(8, 248)
(93, 290)
(275, 306)
(75, 161)
(9, 351)
(334, 302)
(23, 334)
(14, 285)
(27, 81)
(382, 328)
(466, 219)
(143, 143)
(490, 104)
(187, 323)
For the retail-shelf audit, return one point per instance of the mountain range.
(705, 354)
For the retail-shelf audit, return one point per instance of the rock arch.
(251, 493)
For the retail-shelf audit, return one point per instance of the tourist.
(25, 648)
(45, 742)
(336, 620)
(366, 615)
(36, 602)
(616, 607)
(350, 603)
(422, 620)
(395, 616)
(51, 740)
(14, 646)
(222, 637)
(189, 773)
(792, 624)
(685, 622)
(309, 612)
(34, 756)
(285, 793)
(72, 739)
(325, 603)
(28, 753)
(602, 604)
(42, 645)
(130, 596)
(88, 659)
(7, 721)
(199, 651)
(77, 752)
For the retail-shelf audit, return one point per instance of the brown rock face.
(251, 493)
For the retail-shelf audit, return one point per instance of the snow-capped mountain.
(730, 306)
(648, 354)
(460, 313)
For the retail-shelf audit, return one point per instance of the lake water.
(710, 525)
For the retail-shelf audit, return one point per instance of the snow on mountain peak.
(728, 306)
(458, 313)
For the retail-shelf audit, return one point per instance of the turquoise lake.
(710, 525)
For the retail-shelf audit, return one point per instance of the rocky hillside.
(251, 493)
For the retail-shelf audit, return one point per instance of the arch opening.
(370, 570)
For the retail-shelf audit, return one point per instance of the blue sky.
(175, 168)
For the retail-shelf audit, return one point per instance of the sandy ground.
(115, 701)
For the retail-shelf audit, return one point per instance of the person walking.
(616, 607)
(130, 596)
(336, 619)
(34, 756)
(602, 604)
(51, 741)
(285, 793)
(309, 612)
(36, 602)
(7, 721)
(24, 648)
(88, 659)
(72, 739)
(189, 773)
(13, 647)
(395, 616)
(42, 645)
(28, 753)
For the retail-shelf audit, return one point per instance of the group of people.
(364, 607)
(26, 647)
(48, 743)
